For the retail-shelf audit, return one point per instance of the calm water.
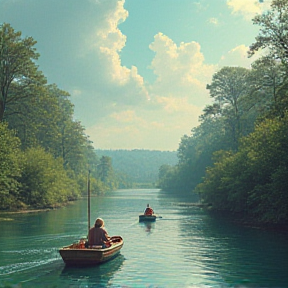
(185, 248)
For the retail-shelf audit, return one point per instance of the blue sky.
(136, 70)
(182, 21)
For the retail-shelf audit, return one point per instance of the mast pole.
(88, 184)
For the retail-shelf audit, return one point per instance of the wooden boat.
(148, 218)
(78, 255)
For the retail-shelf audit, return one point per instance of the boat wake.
(42, 257)
(133, 224)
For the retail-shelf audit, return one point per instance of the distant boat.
(78, 255)
(148, 218)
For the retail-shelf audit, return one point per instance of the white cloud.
(248, 8)
(213, 21)
(238, 57)
(176, 100)
(81, 52)
(181, 71)
(104, 82)
(159, 129)
(107, 41)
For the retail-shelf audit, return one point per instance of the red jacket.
(148, 211)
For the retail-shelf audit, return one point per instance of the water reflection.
(223, 250)
(96, 276)
(186, 248)
(148, 226)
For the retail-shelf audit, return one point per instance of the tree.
(253, 180)
(228, 86)
(19, 75)
(273, 33)
(38, 120)
(50, 124)
(10, 168)
(270, 75)
(45, 182)
(56, 153)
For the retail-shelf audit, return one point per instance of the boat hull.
(150, 218)
(90, 256)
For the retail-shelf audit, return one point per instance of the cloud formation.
(248, 8)
(115, 85)
(237, 57)
(81, 51)
(175, 99)
(181, 68)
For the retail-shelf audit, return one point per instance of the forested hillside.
(44, 153)
(237, 158)
(141, 166)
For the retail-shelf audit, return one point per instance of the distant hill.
(141, 166)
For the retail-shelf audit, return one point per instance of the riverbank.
(238, 218)
(4, 215)
(34, 209)
(26, 211)
(246, 221)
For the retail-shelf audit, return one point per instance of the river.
(185, 248)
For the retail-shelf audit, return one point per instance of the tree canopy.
(273, 33)
(45, 154)
(236, 159)
(19, 75)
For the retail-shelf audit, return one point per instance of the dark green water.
(185, 248)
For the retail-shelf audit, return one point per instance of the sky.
(136, 70)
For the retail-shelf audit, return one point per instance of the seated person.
(148, 211)
(98, 235)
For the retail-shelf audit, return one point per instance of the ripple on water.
(186, 248)
(22, 266)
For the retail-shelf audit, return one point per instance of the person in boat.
(148, 211)
(98, 235)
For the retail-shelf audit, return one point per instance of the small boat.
(148, 218)
(77, 255)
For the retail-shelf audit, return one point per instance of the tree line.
(45, 154)
(139, 167)
(237, 158)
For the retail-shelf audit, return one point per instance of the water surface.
(184, 248)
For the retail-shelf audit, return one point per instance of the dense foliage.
(236, 159)
(254, 179)
(44, 153)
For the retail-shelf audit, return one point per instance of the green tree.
(10, 169)
(268, 162)
(50, 124)
(164, 177)
(252, 180)
(269, 76)
(42, 117)
(45, 182)
(19, 75)
(273, 33)
(228, 86)
(273, 36)
(106, 173)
